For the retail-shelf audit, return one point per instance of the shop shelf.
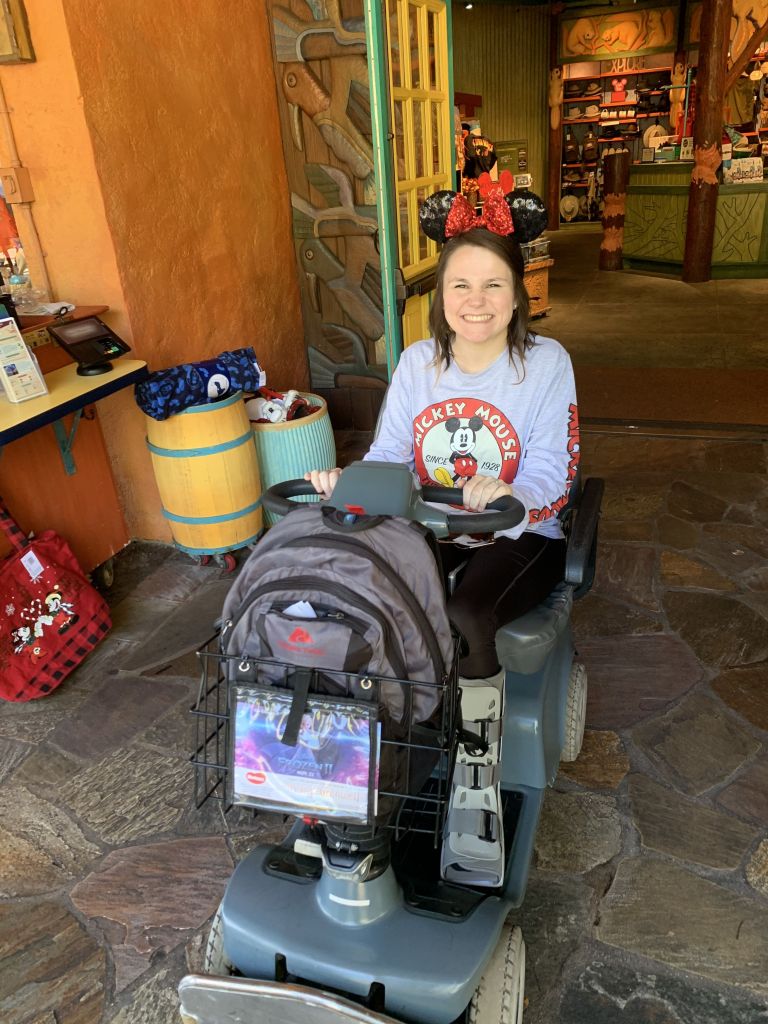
(617, 74)
(580, 120)
(579, 163)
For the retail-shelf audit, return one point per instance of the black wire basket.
(407, 781)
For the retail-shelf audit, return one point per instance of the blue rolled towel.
(167, 392)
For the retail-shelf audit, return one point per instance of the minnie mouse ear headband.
(506, 210)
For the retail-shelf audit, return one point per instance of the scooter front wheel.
(215, 960)
(500, 996)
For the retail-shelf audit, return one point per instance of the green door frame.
(383, 164)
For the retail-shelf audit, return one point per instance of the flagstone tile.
(155, 896)
(735, 535)
(173, 731)
(659, 910)
(747, 795)
(722, 631)
(739, 514)
(134, 563)
(602, 763)
(155, 1001)
(555, 918)
(577, 831)
(112, 715)
(633, 677)
(266, 830)
(45, 770)
(136, 617)
(626, 530)
(756, 579)
(609, 990)
(175, 579)
(735, 457)
(745, 690)
(695, 745)
(732, 487)
(682, 828)
(130, 795)
(11, 756)
(52, 969)
(626, 572)
(757, 869)
(32, 721)
(633, 499)
(677, 533)
(691, 503)
(727, 552)
(187, 627)
(41, 849)
(595, 615)
(678, 571)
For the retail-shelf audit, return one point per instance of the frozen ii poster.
(326, 774)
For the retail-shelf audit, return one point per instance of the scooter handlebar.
(277, 498)
(502, 514)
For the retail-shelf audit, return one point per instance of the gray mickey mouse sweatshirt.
(515, 422)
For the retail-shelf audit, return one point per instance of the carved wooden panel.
(322, 75)
(597, 35)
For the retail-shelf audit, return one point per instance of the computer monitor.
(90, 343)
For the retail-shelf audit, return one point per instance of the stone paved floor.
(648, 902)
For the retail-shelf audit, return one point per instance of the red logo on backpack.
(300, 636)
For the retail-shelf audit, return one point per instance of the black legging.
(502, 581)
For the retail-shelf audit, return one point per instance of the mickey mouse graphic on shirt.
(462, 438)
(463, 442)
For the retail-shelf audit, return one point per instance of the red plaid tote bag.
(51, 616)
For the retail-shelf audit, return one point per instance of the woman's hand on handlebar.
(480, 491)
(323, 480)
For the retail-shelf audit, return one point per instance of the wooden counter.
(655, 223)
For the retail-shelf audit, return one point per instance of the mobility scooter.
(409, 921)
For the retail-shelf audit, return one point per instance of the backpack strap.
(11, 529)
(301, 678)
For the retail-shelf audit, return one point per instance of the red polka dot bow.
(496, 215)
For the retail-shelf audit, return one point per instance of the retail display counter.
(655, 223)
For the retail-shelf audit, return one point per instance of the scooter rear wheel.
(500, 996)
(575, 713)
(215, 960)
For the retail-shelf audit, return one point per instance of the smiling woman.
(487, 406)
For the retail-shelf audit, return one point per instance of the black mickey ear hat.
(529, 215)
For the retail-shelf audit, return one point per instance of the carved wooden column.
(616, 170)
(707, 132)
(554, 170)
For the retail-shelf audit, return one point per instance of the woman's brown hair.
(507, 249)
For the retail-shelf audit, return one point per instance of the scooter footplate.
(206, 999)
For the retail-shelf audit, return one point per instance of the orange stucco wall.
(152, 136)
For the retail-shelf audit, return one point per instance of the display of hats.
(592, 88)
(652, 135)
(574, 112)
(592, 110)
(569, 207)
(584, 206)
(573, 88)
(573, 176)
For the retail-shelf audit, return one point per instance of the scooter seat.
(524, 644)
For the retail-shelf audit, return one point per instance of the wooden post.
(707, 132)
(554, 170)
(616, 170)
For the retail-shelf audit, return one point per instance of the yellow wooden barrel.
(207, 473)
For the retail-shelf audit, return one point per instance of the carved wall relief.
(320, 51)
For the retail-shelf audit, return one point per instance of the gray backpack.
(376, 593)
